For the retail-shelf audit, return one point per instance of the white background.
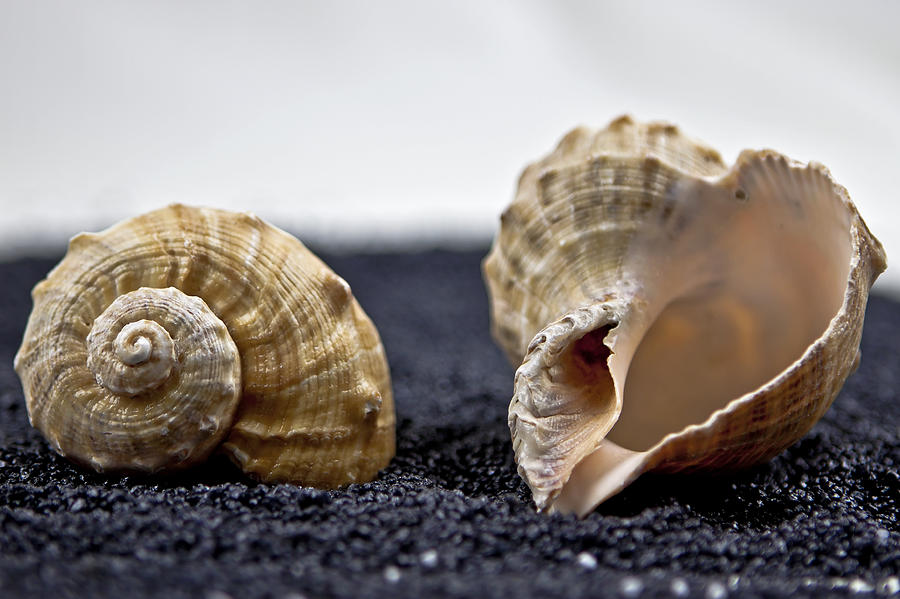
(403, 124)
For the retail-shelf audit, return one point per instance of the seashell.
(184, 330)
(669, 313)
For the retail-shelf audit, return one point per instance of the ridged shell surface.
(669, 313)
(184, 330)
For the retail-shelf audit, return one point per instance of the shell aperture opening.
(732, 293)
(747, 286)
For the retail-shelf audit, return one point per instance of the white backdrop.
(406, 123)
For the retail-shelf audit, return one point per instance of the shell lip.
(529, 414)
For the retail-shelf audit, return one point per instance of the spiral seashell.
(668, 313)
(189, 330)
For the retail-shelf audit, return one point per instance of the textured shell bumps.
(669, 313)
(187, 330)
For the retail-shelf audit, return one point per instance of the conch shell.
(669, 313)
(185, 330)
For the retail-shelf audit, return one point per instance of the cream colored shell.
(668, 313)
(185, 330)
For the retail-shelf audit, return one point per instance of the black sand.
(450, 516)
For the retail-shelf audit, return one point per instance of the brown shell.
(670, 313)
(189, 329)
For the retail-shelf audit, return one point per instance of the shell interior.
(739, 278)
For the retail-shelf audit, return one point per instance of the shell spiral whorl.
(135, 345)
(184, 330)
(162, 358)
(131, 350)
